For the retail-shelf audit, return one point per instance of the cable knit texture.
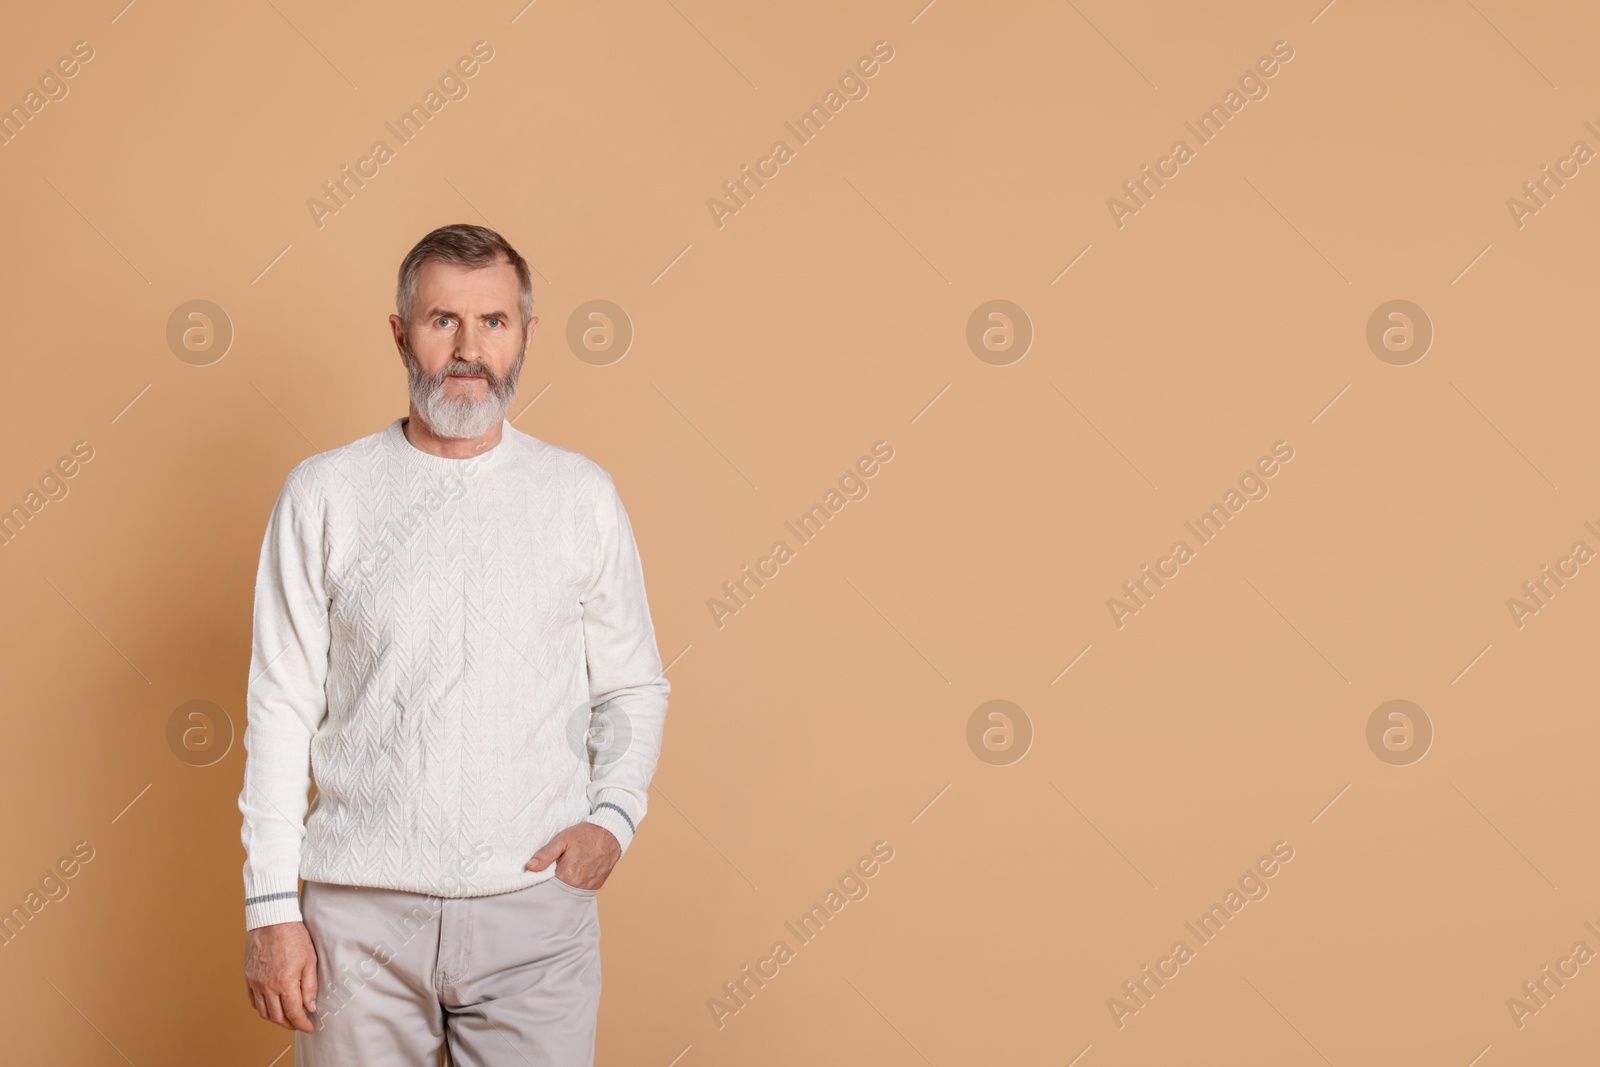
(430, 637)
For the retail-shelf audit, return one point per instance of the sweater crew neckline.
(395, 438)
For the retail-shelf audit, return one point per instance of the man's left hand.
(583, 854)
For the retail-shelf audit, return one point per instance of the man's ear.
(397, 327)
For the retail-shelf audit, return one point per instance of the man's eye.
(441, 319)
(494, 320)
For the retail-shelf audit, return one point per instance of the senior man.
(443, 610)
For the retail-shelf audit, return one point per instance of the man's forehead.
(438, 275)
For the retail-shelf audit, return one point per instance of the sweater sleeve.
(626, 686)
(285, 702)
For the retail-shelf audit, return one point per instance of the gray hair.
(466, 245)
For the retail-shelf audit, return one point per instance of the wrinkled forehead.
(469, 288)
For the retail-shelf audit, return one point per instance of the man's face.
(464, 346)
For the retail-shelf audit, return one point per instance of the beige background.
(830, 313)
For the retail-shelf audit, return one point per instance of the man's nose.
(467, 347)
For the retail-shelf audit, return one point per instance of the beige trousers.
(406, 978)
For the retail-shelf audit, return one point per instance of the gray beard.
(458, 417)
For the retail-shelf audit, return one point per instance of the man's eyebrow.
(435, 312)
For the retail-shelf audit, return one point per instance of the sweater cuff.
(272, 900)
(615, 811)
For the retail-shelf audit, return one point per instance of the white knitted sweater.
(430, 636)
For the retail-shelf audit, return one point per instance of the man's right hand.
(280, 971)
